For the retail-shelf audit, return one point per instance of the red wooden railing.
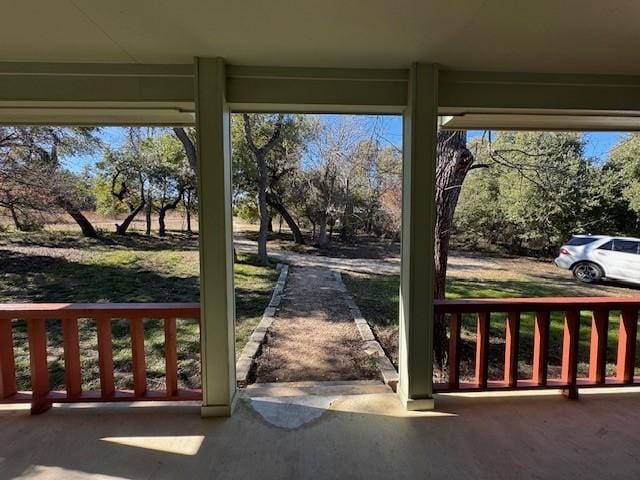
(41, 396)
(543, 308)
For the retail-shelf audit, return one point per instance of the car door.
(622, 259)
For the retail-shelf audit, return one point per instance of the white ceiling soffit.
(557, 122)
(568, 36)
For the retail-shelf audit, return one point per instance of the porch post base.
(207, 411)
(416, 404)
(571, 393)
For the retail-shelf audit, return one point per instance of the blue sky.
(598, 144)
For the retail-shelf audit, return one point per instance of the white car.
(593, 257)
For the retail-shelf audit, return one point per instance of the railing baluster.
(570, 353)
(8, 385)
(71, 342)
(41, 397)
(627, 345)
(171, 357)
(37, 333)
(512, 338)
(541, 348)
(137, 356)
(105, 356)
(598, 347)
(482, 349)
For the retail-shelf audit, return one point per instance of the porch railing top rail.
(476, 305)
(79, 310)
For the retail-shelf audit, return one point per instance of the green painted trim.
(469, 90)
(46, 82)
(217, 303)
(260, 88)
(97, 69)
(413, 405)
(313, 87)
(418, 219)
(220, 410)
(363, 74)
(317, 108)
(97, 116)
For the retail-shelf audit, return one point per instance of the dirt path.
(313, 336)
(481, 267)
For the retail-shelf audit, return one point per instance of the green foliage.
(537, 189)
(106, 203)
(625, 167)
(247, 210)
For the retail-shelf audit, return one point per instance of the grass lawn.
(378, 298)
(60, 267)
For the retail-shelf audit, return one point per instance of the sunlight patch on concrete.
(178, 445)
(42, 472)
(387, 405)
(502, 394)
(15, 407)
(610, 390)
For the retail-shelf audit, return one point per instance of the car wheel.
(588, 272)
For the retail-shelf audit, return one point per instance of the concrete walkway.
(313, 336)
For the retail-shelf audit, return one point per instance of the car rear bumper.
(564, 262)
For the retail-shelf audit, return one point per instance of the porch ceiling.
(573, 36)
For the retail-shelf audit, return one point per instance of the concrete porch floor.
(358, 436)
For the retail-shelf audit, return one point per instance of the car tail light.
(564, 251)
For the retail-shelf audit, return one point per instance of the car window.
(606, 246)
(625, 246)
(579, 241)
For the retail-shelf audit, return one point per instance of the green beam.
(415, 387)
(86, 82)
(216, 239)
(316, 89)
(491, 90)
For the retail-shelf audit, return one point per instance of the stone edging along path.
(371, 346)
(251, 349)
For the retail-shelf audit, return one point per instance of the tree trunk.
(162, 227)
(452, 165)
(284, 214)
(82, 221)
(124, 226)
(162, 213)
(270, 224)
(322, 233)
(189, 147)
(345, 233)
(14, 217)
(188, 208)
(148, 216)
(264, 214)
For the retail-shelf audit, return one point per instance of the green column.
(415, 387)
(216, 239)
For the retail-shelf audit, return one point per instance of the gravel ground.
(313, 336)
